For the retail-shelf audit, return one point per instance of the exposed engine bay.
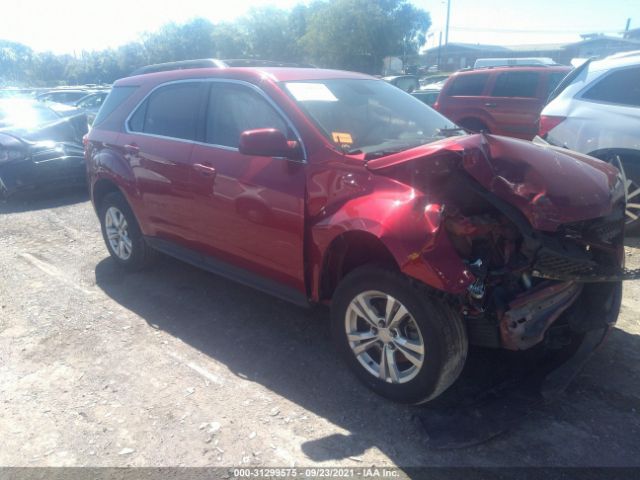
(527, 280)
(546, 253)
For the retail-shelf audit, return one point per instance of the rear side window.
(516, 84)
(469, 85)
(113, 101)
(234, 109)
(621, 87)
(554, 81)
(170, 111)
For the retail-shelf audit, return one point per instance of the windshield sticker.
(342, 138)
(305, 92)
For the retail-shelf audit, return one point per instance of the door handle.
(490, 105)
(206, 170)
(132, 148)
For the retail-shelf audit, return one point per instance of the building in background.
(455, 56)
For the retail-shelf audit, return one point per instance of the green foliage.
(348, 34)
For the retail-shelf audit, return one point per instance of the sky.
(70, 26)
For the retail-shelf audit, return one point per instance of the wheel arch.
(101, 188)
(349, 251)
(606, 153)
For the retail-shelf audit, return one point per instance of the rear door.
(515, 103)
(463, 97)
(251, 207)
(158, 144)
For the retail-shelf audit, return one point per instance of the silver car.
(596, 110)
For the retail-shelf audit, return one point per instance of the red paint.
(501, 115)
(278, 217)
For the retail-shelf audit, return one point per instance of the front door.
(252, 206)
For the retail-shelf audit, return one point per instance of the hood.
(549, 185)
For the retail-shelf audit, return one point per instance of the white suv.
(596, 110)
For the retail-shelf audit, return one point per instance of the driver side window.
(235, 108)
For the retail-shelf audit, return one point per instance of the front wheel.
(401, 343)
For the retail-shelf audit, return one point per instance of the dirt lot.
(175, 366)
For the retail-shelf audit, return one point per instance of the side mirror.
(267, 142)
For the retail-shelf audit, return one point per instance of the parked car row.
(593, 109)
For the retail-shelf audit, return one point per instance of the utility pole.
(446, 29)
(439, 50)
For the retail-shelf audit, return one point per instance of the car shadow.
(288, 350)
(633, 242)
(40, 200)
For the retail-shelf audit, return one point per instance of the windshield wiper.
(383, 153)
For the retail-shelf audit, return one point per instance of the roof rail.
(489, 67)
(215, 63)
(181, 65)
(254, 62)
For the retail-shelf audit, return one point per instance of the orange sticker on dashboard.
(342, 138)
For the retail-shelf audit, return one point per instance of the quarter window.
(171, 111)
(621, 87)
(469, 85)
(234, 109)
(516, 84)
(115, 98)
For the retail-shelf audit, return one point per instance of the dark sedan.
(40, 147)
(66, 96)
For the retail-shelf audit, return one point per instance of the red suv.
(331, 187)
(502, 100)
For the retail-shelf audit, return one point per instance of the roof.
(470, 46)
(614, 61)
(606, 38)
(248, 74)
(542, 47)
(517, 68)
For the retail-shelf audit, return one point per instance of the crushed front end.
(541, 233)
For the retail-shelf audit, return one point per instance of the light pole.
(446, 28)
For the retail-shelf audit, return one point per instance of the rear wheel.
(401, 343)
(122, 234)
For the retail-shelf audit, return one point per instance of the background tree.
(348, 34)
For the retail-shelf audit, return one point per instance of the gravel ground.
(175, 366)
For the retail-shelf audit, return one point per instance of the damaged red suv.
(332, 187)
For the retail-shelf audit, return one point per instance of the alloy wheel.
(117, 230)
(384, 337)
(633, 201)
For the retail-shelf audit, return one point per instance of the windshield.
(25, 114)
(369, 116)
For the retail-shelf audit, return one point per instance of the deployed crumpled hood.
(549, 185)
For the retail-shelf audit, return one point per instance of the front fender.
(409, 225)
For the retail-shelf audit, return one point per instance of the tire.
(136, 254)
(429, 322)
(631, 165)
(632, 171)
